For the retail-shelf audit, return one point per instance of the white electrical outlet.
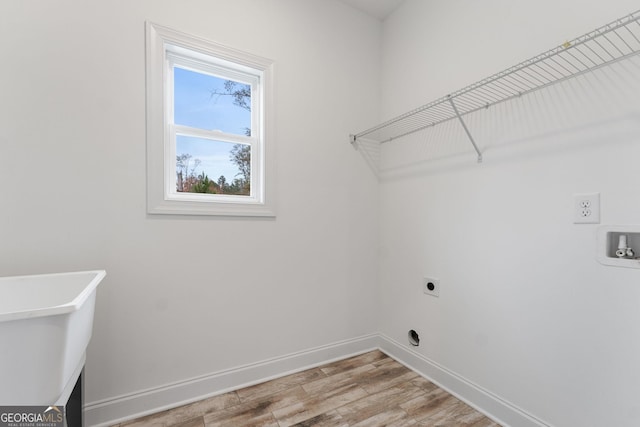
(431, 286)
(586, 208)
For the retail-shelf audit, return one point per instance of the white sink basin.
(45, 326)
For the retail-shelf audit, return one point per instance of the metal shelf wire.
(610, 43)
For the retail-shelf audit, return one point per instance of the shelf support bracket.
(352, 140)
(464, 126)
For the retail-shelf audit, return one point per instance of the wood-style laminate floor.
(367, 390)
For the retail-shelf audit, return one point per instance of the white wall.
(186, 297)
(525, 310)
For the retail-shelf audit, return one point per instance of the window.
(208, 145)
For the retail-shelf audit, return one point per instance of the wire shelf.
(610, 43)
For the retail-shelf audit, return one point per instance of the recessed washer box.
(608, 241)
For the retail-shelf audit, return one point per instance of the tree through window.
(205, 102)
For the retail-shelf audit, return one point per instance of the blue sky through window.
(196, 105)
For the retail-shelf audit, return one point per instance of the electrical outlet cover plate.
(431, 286)
(586, 208)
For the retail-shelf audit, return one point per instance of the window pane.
(209, 166)
(207, 102)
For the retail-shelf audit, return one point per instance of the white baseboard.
(503, 412)
(111, 411)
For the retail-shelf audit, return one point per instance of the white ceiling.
(377, 8)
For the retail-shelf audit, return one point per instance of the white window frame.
(167, 47)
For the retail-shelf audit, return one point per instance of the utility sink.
(45, 325)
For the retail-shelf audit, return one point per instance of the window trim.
(160, 199)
